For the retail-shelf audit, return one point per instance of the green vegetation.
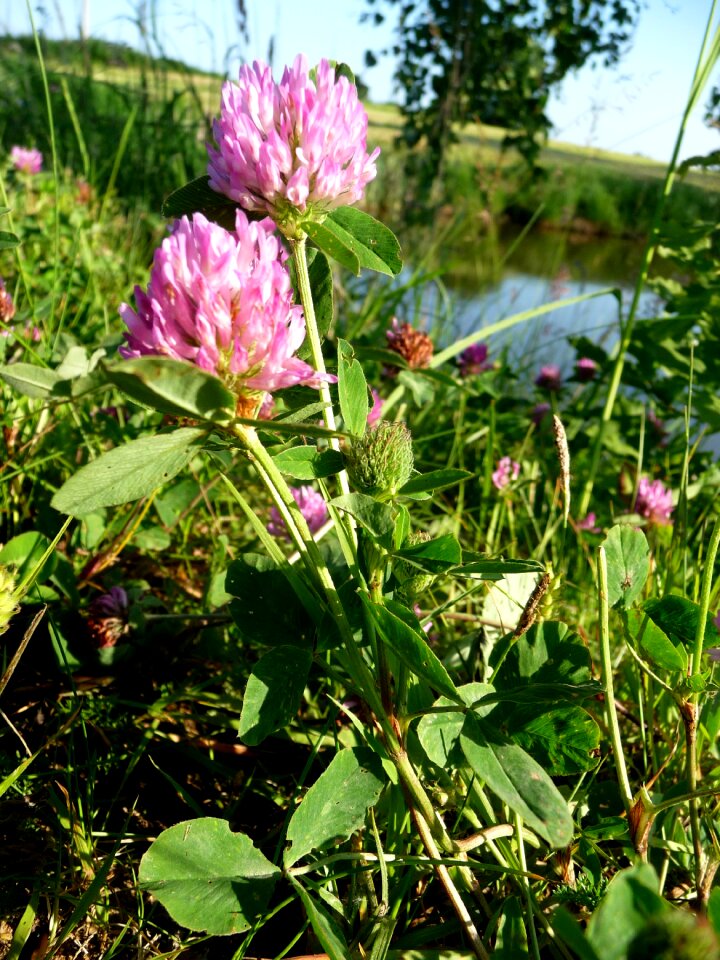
(544, 598)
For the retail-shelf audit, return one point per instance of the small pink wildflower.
(549, 377)
(473, 360)
(312, 506)
(585, 369)
(224, 302)
(654, 501)
(427, 627)
(7, 307)
(26, 159)
(588, 523)
(107, 617)
(375, 412)
(507, 470)
(294, 147)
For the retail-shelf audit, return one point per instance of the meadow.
(397, 648)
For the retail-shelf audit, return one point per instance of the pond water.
(516, 275)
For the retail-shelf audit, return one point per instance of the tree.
(493, 61)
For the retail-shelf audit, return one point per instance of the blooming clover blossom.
(375, 411)
(224, 302)
(506, 471)
(654, 501)
(585, 369)
(549, 377)
(108, 617)
(312, 506)
(26, 159)
(298, 146)
(473, 360)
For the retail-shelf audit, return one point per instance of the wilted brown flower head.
(413, 345)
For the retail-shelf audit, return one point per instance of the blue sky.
(635, 108)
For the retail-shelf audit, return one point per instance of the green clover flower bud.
(8, 600)
(381, 461)
(412, 580)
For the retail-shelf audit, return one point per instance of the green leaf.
(8, 240)
(174, 387)
(25, 551)
(435, 556)
(679, 617)
(207, 877)
(563, 739)
(485, 568)
(377, 518)
(198, 196)
(419, 385)
(266, 609)
(628, 564)
(655, 645)
(29, 379)
(375, 246)
(336, 804)
(713, 910)
(511, 942)
(518, 780)
(439, 733)
(549, 653)
(352, 390)
(129, 472)
(327, 240)
(273, 693)
(434, 480)
(322, 290)
(325, 929)
(630, 900)
(401, 630)
(568, 929)
(308, 463)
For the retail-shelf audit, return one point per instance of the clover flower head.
(413, 345)
(312, 506)
(26, 159)
(654, 501)
(473, 360)
(292, 148)
(539, 412)
(549, 377)
(375, 411)
(585, 369)
(7, 307)
(507, 470)
(223, 301)
(108, 617)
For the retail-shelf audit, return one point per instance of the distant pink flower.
(415, 346)
(266, 408)
(473, 360)
(7, 307)
(107, 617)
(549, 377)
(588, 523)
(539, 412)
(586, 369)
(312, 506)
(506, 471)
(654, 501)
(26, 159)
(224, 302)
(375, 412)
(294, 147)
(427, 627)
(714, 653)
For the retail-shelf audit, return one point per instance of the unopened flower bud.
(413, 581)
(381, 461)
(8, 598)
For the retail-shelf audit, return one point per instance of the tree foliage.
(494, 62)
